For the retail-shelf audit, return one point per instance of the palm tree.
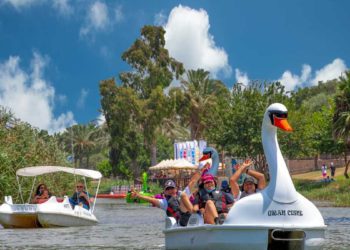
(341, 119)
(199, 91)
(82, 139)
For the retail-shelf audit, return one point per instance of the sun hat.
(249, 179)
(207, 178)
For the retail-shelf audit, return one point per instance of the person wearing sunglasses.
(80, 197)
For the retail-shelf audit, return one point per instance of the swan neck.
(281, 187)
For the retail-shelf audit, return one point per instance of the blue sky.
(53, 53)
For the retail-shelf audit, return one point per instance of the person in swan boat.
(212, 203)
(170, 203)
(253, 182)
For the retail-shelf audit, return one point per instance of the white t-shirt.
(163, 203)
(244, 194)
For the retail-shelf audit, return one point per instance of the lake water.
(124, 226)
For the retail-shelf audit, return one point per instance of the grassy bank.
(335, 193)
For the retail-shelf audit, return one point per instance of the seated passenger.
(250, 185)
(41, 195)
(170, 203)
(187, 197)
(80, 197)
(213, 204)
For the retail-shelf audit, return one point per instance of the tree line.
(158, 102)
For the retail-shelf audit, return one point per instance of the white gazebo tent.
(176, 169)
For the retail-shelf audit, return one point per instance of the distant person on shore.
(332, 167)
(324, 171)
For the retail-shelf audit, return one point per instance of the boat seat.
(195, 220)
(59, 199)
(8, 200)
(170, 222)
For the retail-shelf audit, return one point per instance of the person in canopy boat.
(81, 197)
(252, 183)
(42, 194)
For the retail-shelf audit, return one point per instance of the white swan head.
(276, 116)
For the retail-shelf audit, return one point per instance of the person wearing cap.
(212, 203)
(170, 203)
(253, 182)
(225, 187)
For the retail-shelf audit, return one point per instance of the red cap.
(207, 178)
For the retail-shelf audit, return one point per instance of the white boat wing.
(40, 170)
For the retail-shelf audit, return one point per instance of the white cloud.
(160, 19)
(101, 119)
(29, 96)
(63, 7)
(100, 19)
(291, 81)
(330, 71)
(118, 14)
(19, 4)
(62, 99)
(97, 18)
(189, 41)
(81, 101)
(242, 77)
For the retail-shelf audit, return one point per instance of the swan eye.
(278, 114)
(281, 115)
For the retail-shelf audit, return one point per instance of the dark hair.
(37, 192)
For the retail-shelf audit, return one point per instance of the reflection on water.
(124, 226)
(338, 227)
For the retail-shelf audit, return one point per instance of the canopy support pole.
(19, 189)
(31, 191)
(98, 186)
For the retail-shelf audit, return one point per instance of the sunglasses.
(80, 186)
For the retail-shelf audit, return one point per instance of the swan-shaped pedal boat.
(278, 217)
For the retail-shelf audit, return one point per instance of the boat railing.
(24, 208)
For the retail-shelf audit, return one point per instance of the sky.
(54, 53)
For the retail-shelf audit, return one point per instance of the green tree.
(153, 70)
(120, 108)
(83, 140)
(242, 125)
(200, 97)
(341, 119)
(21, 145)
